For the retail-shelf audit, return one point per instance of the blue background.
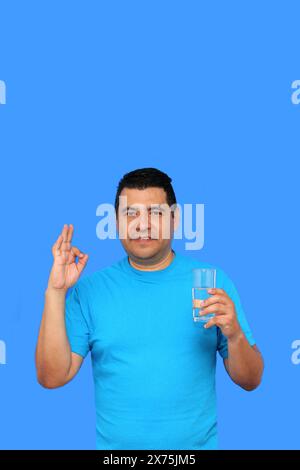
(201, 90)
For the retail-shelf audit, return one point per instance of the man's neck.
(157, 266)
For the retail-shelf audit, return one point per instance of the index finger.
(64, 232)
(216, 290)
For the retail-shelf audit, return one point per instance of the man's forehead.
(145, 196)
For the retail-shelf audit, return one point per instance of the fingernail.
(202, 302)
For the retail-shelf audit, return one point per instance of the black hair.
(143, 178)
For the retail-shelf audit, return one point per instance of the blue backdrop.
(201, 90)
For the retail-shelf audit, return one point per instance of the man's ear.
(176, 218)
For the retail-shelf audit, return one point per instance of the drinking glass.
(203, 279)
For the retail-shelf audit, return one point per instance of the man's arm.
(244, 363)
(55, 363)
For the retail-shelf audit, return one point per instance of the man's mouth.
(143, 239)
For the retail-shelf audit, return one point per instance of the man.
(153, 367)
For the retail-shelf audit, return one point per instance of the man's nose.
(144, 221)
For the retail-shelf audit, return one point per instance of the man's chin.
(144, 253)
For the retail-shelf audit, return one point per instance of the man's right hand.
(65, 271)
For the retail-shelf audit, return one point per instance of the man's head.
(145, 206)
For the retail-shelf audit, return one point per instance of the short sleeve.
(76, 325)
(231, 290)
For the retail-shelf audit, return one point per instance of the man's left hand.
(225, 315)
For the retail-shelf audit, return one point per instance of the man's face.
(144, 213)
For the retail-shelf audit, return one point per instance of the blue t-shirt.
(153, 366)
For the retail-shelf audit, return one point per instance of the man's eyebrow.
(153, 206)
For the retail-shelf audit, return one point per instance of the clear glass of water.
(203, 279)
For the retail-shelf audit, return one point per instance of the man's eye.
(131, 212)
(156, 212)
